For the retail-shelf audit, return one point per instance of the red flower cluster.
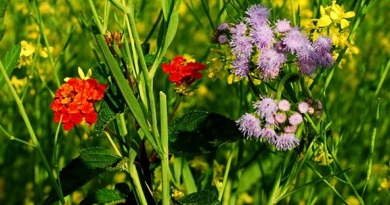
(74, 102)
(182, 72)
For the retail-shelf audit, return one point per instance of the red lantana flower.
(74, 102)
(182, 72)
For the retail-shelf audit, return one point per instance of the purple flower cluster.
(275, 122)
(262, 47)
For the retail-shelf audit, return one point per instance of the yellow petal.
(344, 23)
(324, 21)
(322, 11)
(334, 15)
(230, 79)
(349, 14)
(81, 73)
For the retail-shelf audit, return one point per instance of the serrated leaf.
(201, 132)
(209, 197)
(101, 72)
(112, 104)
(79, 171)
(9, 62)
(103, 196)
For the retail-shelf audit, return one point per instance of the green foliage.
(3, 8)
(209, 197)
(104, 196)
(9, 62)
(89, 164)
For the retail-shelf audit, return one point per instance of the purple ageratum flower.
(284, 105)
(286, 141)
(223, 26)
(270, 61)
(323, 47)
(262, 36)
(307, 59)
(295, 119)
(240, 43)
(266, 107)
(268, 134)
(283, 26)
(280, 117)
(257, 15)
(303, 107)
(222, 39)
(249, 125)
(295, 40)
(241, 67)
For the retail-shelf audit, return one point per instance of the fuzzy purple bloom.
(240, 43)
(286, 141)
(249, 125)
(262, 36)
(266, 107)
(303, 107)
(283, 26)
(284, 105)
(268, 134)
(270, 62)
(295, 119)
(323, 47)
(222, 39)
(295, 40)
(223, 26)
(280, 118)
(257, 15)
(307, 59)
(241, 67)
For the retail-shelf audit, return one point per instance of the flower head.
(74, 100)
(286, 141)
(266, 107)
(270, 62)
(249, 125)
(257, 15)
(182, 72)
(283, 26)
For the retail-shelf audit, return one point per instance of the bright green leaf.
(10, 60)
(103, 196)
(79, 171)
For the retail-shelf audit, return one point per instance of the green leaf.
(201, 132)
(10, 60)
(79, 171)
(112, 104)
(103, 196)
(209, 197)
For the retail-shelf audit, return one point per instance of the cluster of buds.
(276, 122)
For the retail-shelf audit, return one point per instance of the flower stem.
(165, 148)
(32, 133)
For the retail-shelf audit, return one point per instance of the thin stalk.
(11, 137)
(372, 147)
(96, 17)
(165, 149)
(32, 133)
(383, 77)
(137, 183)
(226, 174)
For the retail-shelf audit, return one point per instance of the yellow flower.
(26, 53)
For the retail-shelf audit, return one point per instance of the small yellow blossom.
(26, 54)
(18, 83)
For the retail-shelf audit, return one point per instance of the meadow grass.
(344, 160)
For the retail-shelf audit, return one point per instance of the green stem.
(11, 137)
(32, 133)
(165, 148)
(96, 17)
(308, 118)
(282, 82)
(226, 174)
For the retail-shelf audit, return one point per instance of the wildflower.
(240, 43)
(223, 26)
(241, 67)
(284, 105)
(323, 47)
(249, 125)
(26, 54)
(262, 36)
(74, 100)
(182, 72)
(280, 117)
(270, 62)
(303, 107)
(268, 134)
(295, 119)
(295, 40)
(257, 15)
(266, 107)
(286, 141)
(222, 39)
(290, 129)
(283, 26)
